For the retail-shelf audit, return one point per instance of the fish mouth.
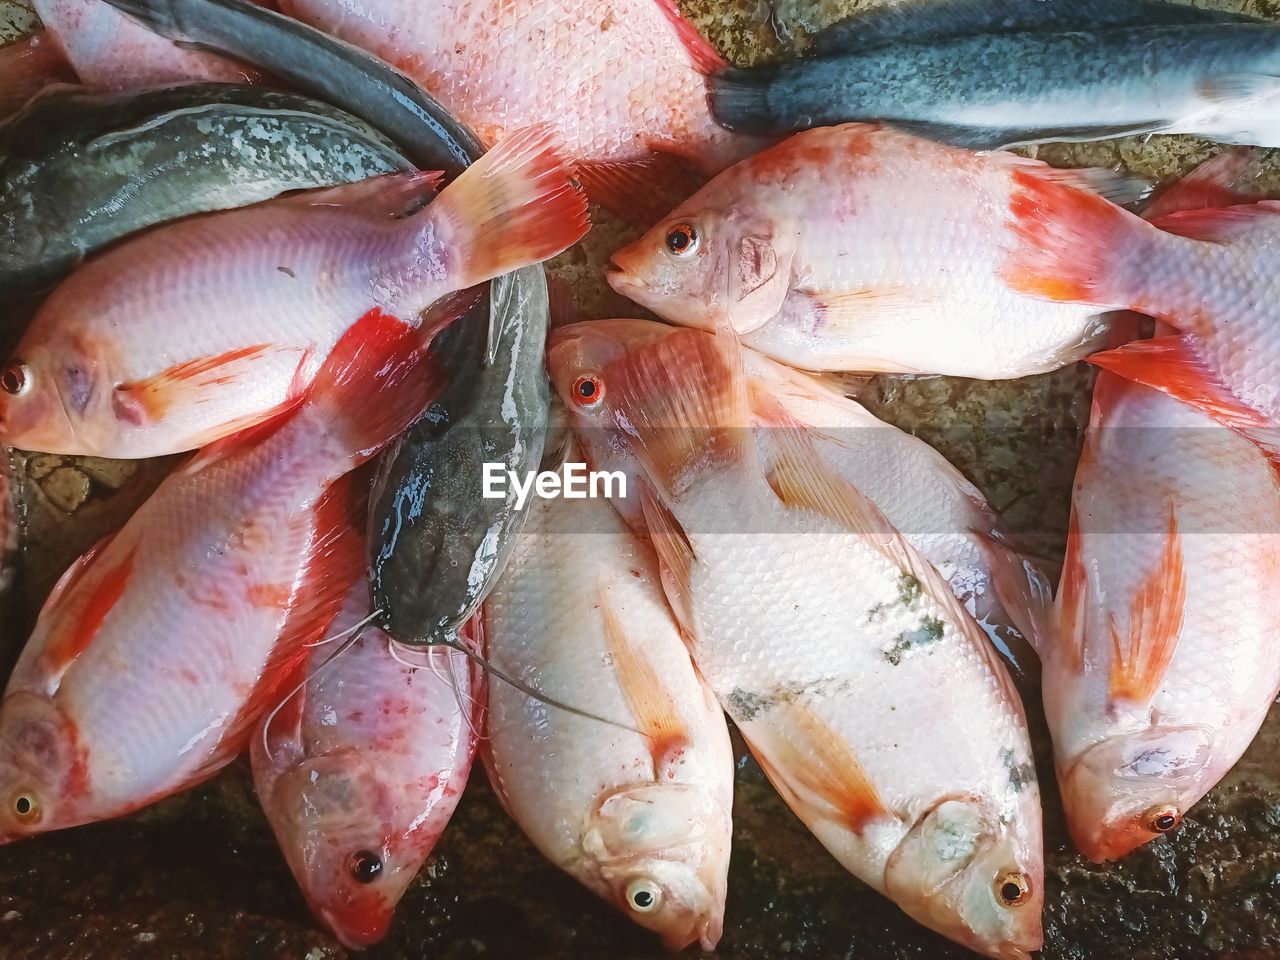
(622, 279)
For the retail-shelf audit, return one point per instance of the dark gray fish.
(986, 84)
(80, 170)
(437, 545)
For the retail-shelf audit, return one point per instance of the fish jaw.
(949, 869)
(1117, 792)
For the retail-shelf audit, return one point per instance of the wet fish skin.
(110, 52)
(80, 171)
(897, 269)
(158, 649)
(438, 546)
(580, 614)
(998, 90)
(362, 768)
(265, 292)
(824, 636)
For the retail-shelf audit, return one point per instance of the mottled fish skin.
(361, 769)
(619, 62)
(641, 820)
(861, 248)
(265, 292)
(111, 52)
(1214, 80)
(79, 171)
(158, 649)
(438, 545)
(828, 648)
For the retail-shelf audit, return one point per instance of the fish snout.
(359, 922)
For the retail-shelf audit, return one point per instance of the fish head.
(53, 398)
(712, 262)
(1130, 789)
(969, 874)
(664, 405)
(350, 845)
(660, 853)
(43, 768)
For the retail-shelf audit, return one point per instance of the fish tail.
(515, 206)
(377, 380)
(739, 99)
(1068, 243)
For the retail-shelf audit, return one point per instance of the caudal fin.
(739, 99)
(513, 207)
(1066, 243)
(377, 381)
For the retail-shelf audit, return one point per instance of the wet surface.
(199, 876)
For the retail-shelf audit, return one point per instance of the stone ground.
(199, 877)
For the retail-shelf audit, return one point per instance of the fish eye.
(588, 391)
(14, 379)
(364, 866)
(682, 240)
(1162, 819)
(1013, 888)
(25, 806)
(643, 896)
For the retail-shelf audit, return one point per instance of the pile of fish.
(302, 247)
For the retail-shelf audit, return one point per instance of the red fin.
(705, 58)
(377, 381)
(1172, 366)
(75, 573)
(1066, 239)
(28, 66)
(654, 709)
(640, 192)
(824, 766)
(75, 631)
(513, 207)
(1072, 597)
(1141, 657)
(393, 195)
(1220, 181)
(188, 382)
(1220, 225)
(561, 306)
(257, 431)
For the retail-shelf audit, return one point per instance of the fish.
(108, 51)
(825, 636)
(158, 649)
(639, 813)
(987, 75)
(263, 293)
(455, 539)
(439, 543)
(862, 248)
(84, 170)
(1173, 547)
(360, 770)
(931, 503)
(1209, 274)
(26, 67)
(634, 68)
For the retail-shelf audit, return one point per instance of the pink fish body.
(110, 51)
(26, 67)
(361, 769)
(625, 66)
(189, 332)
(862, 248)
(156, 651)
